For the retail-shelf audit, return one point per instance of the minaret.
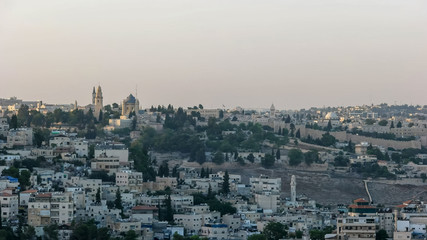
(293, 189)
(93, 96)
(98, 103)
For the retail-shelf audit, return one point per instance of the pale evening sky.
(293, 53)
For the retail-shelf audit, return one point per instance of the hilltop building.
(129, 105)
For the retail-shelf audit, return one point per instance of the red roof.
(46, 195)
(401, 206)
(360, 206)
(360, 200)
(143, 207)
(30, 191)
(5, 194)
(407, 202)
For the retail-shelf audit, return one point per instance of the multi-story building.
(265, 184)
(128, 177)
(357, 228)
(9, 205)
(146, 214)
(179, 202)
(268, 201)
(20, 137)
(215, 231)
(81, 147)
(113, 150)
(193, 223)
(4, 127)
(50, 208)
(104, 163)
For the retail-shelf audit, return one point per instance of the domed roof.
(130, 99)
(272, 107)
(331, 116)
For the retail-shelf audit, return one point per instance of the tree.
(98, 196)
(202, 173)
(399, 124)
(295, 157)
(268, 161)
(210, 193)
(169, 210)
(275, 231)
(328, 140)
(383, 123)
(218, 158)
(51, 232)
(226, 183)
(392, 124)
(118, 201)
(23, 116)
(131, 235)
(13, 122)
(164, 169)
(311, 157)
(381, 235)
(298, 134)
(89, 231)
(317, 234)
(12, 172)
(396, 157)
(28, 233)
(370, 121)
(423, 177)
(175, 173)
(24, 179)
(278, 154)
(298, 234)
(329, 127)
(241, 161)
(221, 114)
(257, 237)
(251, 158)
(341, 161)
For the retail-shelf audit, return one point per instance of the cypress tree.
(226, 183)
(98, 195)
(278, 154)
(169, 210)
(118, 201)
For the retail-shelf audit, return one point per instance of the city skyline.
(295, 54)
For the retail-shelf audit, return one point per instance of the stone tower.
(293, 189)
(93, 96)
(98, 103)
(272, 111)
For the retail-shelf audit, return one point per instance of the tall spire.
(93, 96)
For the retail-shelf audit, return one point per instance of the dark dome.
(130, 99)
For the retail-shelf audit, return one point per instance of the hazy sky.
(293, 53)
